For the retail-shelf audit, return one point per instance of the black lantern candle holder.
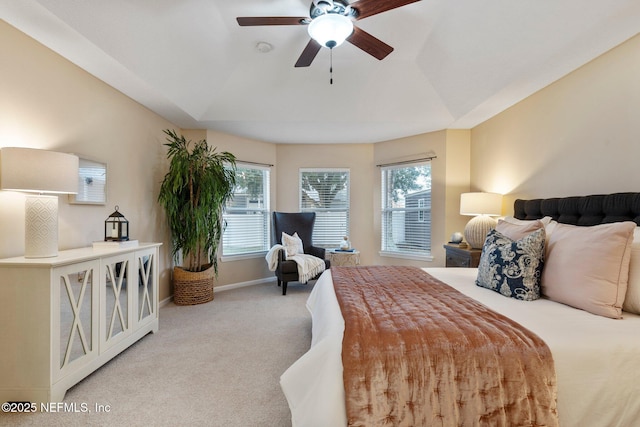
(116, 228)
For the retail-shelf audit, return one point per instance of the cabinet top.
(74, 255)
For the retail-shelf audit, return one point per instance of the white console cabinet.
(61, 318)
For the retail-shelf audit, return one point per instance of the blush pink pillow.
(588, 267)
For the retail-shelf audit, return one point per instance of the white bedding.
(597, 359)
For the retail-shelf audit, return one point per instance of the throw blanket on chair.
(309, 266)
(417, 352)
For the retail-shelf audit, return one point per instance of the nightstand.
(344, 258)
(461, 256)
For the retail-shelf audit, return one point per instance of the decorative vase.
(345, 245)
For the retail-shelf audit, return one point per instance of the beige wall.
(578, 136)
(457, 181)
(48, 103)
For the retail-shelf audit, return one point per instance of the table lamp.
(39, 171)
(482, 206)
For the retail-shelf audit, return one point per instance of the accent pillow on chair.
(293, 244)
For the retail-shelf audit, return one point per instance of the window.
(246, 216)
(406, 210)
(326, 192)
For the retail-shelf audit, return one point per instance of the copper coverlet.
(416, 352)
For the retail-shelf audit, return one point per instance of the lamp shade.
(481, 204)
(331, 29)
(40, 171)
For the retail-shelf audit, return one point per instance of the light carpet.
(215, 364)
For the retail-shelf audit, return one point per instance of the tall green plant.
(193, 193)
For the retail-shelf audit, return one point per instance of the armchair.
(290, 223)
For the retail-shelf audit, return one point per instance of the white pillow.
(632, 298)
(293, 244)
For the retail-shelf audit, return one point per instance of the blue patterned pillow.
(512, 268)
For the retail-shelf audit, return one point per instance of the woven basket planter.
(190, 288)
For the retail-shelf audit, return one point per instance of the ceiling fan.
(331, 23)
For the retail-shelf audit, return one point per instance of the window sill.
(404, 255)
(239, 257)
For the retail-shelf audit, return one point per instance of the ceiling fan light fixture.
(331, 29)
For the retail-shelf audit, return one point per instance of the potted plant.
(193, 193)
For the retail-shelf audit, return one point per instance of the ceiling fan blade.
(367, 8)
(308, 54)
(248, 21)
(365, 41)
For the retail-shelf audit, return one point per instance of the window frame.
(385, 210)
(266, 213)
(317, 240)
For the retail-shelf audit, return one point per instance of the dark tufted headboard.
(582, 210)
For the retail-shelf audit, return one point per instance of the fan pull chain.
(331, 66)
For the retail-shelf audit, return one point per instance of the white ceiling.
(456, 63)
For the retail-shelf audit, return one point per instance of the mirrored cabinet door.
(146, 301)
(77, 338)
(118, 280)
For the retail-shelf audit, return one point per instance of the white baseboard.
(223, 288)
(243, 284)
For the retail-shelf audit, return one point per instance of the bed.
(595, 355)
